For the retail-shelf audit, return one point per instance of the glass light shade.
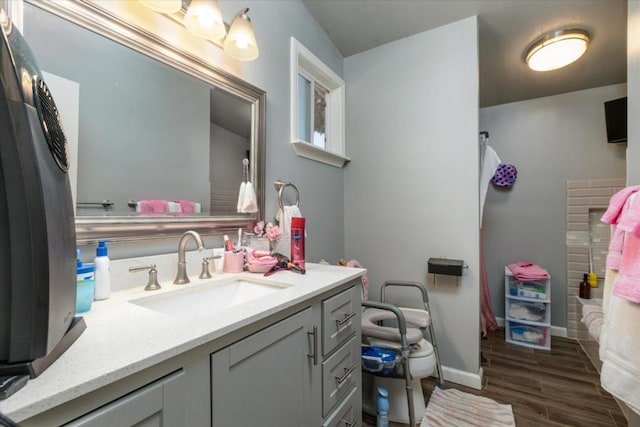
(557, 50)
(203, 18)
(240, 42)
(162, 6)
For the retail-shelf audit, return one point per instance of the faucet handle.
(204, 274)
(152, 284)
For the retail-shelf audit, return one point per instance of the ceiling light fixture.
(557, 49)
(203, 18)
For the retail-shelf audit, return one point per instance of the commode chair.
(420, 356)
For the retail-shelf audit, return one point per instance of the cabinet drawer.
(340, 374)
(347, 414)
(340, 318)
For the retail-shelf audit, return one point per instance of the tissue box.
(449, 267)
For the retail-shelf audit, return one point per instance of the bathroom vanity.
(279, 350)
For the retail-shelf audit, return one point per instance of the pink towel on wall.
(187, 206)
(629, 220)
(488, 320)
(616, 204)
(145, 206)
(628, 284)
(614, 255)
(527, 271)
(364, 279)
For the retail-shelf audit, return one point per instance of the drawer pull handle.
(345, 319)
(349, 423)
(314, 354)
(347, 372)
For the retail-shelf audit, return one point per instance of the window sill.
(310, 151)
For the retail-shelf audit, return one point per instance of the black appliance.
(37, 228)
(615, 112)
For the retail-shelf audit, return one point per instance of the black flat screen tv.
(37, 227)
(616, 118)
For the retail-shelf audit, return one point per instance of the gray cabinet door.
(158, 404)
(264, 379)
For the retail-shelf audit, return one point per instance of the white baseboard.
(463, 377)
(556, 331)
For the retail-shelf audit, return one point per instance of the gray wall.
(550, 140)
(633, 81)
(133, 130)
(411, 191)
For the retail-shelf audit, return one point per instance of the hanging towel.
(628, 284)
(249, 203)
(487, 169)
(527, 271)
(174, 207)
(187, 206)
(616, 204)
(616, 242)
(620, 373)
(152, 206)
(284, 222)
(364, 279)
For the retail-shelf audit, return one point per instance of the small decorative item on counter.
(297, 241)
(270, 231)
(233, 261)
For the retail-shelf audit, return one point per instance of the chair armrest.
(422, 288)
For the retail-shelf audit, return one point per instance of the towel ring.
(280, 186)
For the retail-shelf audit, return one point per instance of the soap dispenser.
(102, 271)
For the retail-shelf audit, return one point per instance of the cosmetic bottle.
(102, 271)
(584, 290)
(297, 241)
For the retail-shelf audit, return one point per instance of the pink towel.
(528, 271)
(629, 220)
(145, 206)
(187, 206)
(487, 319)
(614, 255)
(159, 206)
(365, 281)
(616, 203)
(628, 284)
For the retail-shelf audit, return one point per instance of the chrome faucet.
(181, 276)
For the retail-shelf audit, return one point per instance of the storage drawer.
(528, 334)
(529, 311)
(531, 289)
(340, 318)
(340, 374)
(348, 413)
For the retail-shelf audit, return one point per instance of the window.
(317, 108)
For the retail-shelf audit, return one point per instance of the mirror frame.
(98, 20)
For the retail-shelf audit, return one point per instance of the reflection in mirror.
(148, 131)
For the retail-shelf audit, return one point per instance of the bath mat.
(453, 407)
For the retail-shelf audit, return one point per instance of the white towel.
(284, 222)
(620, 374)
(175, 207)
(487, 169)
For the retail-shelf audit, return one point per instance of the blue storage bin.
(379, 360)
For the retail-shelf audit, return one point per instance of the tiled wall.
(586, 202)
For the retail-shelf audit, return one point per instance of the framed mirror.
(155, 123)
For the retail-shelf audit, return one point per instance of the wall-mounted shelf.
(446, 267)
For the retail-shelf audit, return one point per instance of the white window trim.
(306, 63)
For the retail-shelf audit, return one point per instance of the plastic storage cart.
(527, 309)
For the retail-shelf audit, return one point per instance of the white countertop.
(124, 338)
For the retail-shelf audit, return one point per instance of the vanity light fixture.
(557, 49)
(203, 18)
(163, 6)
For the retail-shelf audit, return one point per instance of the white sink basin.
(209, 297)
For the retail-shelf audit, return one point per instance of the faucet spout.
(181, 276)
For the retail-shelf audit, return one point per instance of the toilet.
(422, 364)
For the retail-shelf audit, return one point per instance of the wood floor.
(545, 388)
